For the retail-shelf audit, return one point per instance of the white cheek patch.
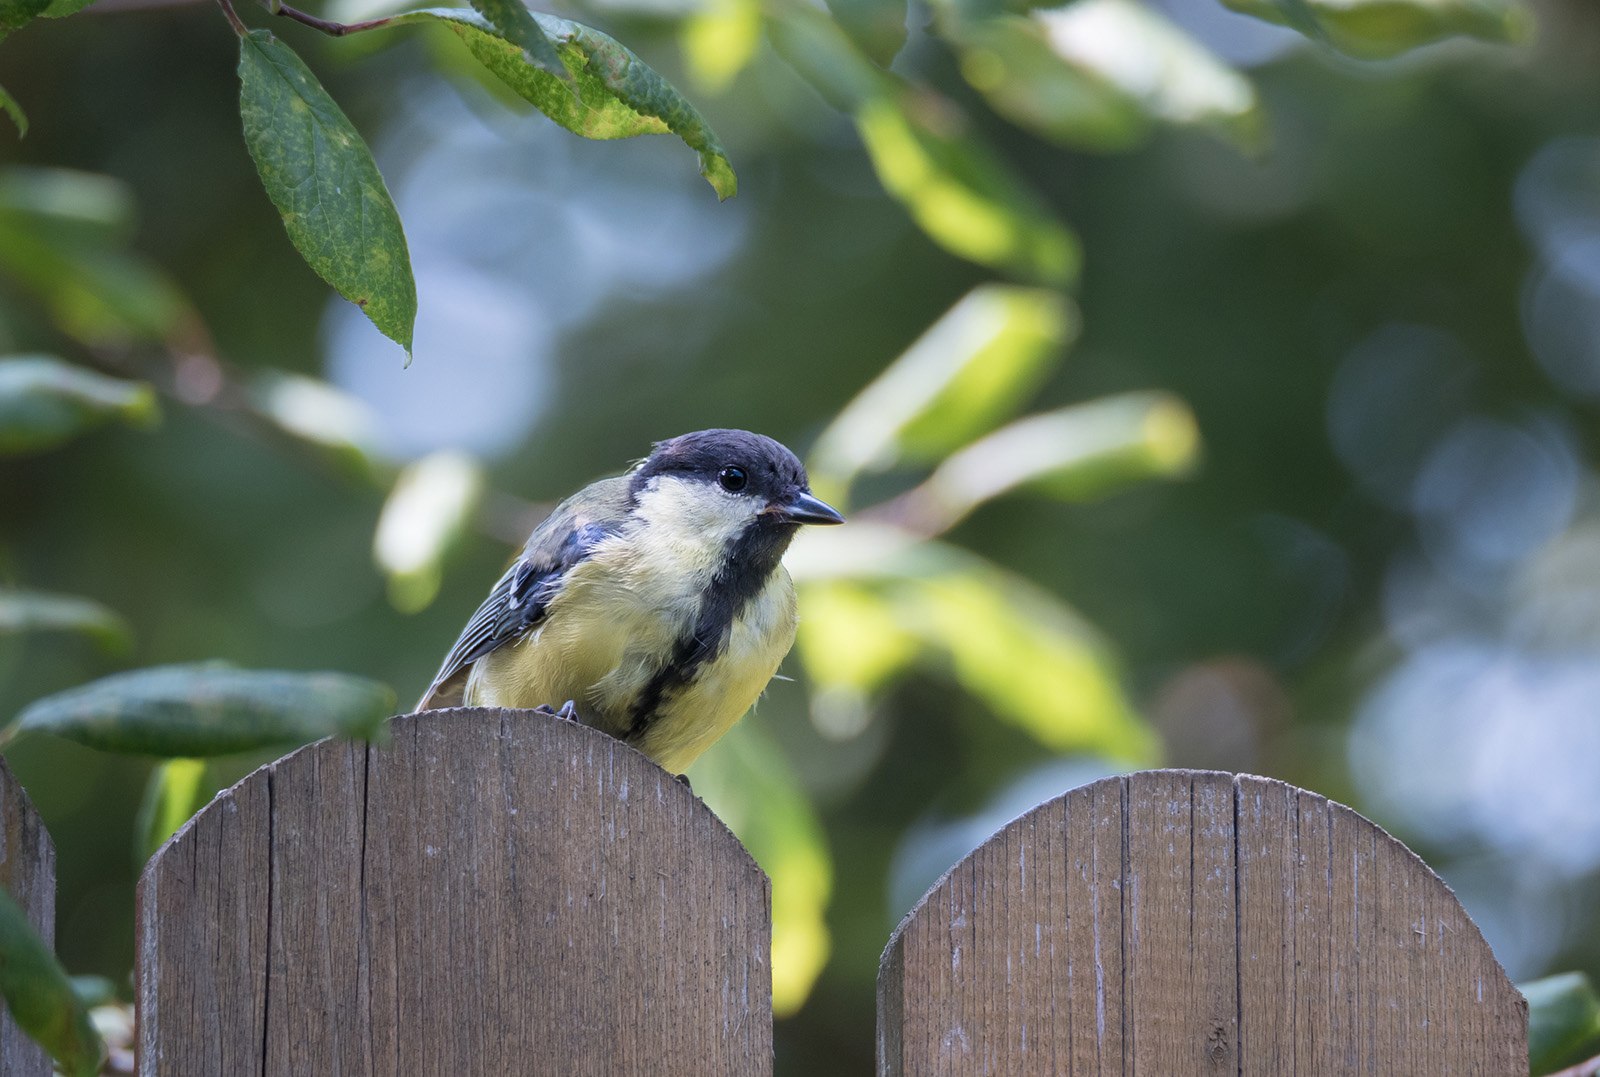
(694, 511)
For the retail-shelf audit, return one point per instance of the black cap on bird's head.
(742, 464)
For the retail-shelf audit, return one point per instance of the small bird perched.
(655, 601)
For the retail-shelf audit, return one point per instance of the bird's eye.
(732, 479)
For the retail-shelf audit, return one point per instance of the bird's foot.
(568, 711)
(684, 778)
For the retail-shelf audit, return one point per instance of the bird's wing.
(521, 597)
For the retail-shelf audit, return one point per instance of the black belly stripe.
(751, 559)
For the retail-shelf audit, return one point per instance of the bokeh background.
(1305, 483)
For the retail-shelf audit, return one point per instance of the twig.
(332, 29)
(233, 17)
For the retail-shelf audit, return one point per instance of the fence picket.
(28, 874)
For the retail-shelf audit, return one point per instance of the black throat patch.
(751, 559)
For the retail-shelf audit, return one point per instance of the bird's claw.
(568, 711)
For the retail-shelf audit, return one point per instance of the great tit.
(656, 602)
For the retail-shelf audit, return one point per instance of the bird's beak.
(805, 507)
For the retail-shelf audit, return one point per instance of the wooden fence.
(495, 892)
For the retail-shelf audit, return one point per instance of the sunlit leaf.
(1100, 72)
(719, 40)
(749, 784)
(1074, 453)
(27, 612)
(40, 998)
(321, 176)
(517, 25)
(322, 415)
(76, 207)
(877, 26)
(427, 511)
(1374, 29)
(618, 95)
(209, 709)
(11, 108)
(175, 791)
(1563, 1021)
(45, 402)
(959, 193)
(851, 643)
(963, 377)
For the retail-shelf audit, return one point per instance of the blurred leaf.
(39, 996)
(962, 196)
(1563, 1021)
(45, 402)
(819, 51)
(25, 612)
(94, 990)
(1376, 29)
(1100, 72)
(77, 207)
(14, 110)
(618, 95)
(60, 9)
(1074, 453)
(877, 26)
(970, 371)
(321, 415)
(748, 782)
(719, 40)
(176, 791)
(15, 14)
(321, 176)
(517, 25)
(852, 643)
(209, 709)
(427, 511)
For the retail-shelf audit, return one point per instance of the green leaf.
(1074, 454)
(1563, 1021)
(719, 40)
(517, 25)
(81, 208)
(967, 374)
(60, 9)
(960, 194)
(427, 512)
(1376, 29)
(851, 643)
(14, 110)
(618, 95)
(321, 176)
(818, 49)
(15, 14)
(336, 424)
(27, 612)
(45, 402)
(1100, 73)
(209, 709)
(749, 784)
(40, 998)
(176, 791)
(877, 26)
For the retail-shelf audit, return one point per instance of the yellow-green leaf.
(967, 374)
(40, 998)
(45, 402)
(13, 109)
(719, 40)
(321, 176)
(209, 709)
(173, 794)
(1375, 29)
(518, 26)
(428, 510)
(878, 27)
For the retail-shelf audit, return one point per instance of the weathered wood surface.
(1191, 922)
(493, 892)
(28, 874)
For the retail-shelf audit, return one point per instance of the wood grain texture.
(492, 892)
(1191, 922)
(28, 873)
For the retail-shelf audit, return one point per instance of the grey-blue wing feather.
(521, 598)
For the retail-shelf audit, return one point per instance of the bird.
(654, 603)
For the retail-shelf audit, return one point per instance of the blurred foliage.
(1021, 580)
(1563, 1022)
(40, 998)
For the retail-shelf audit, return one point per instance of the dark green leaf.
(40, 997)
(45, 402)
(24, 612)
(60, 9)
(1375, 29)
(818, 49)
(68, 206)
(877, 26)
(1563, 1021)
(14, 110)
(174, 793)
(517, 25)
(209, 709)
(321, 176)
(618, 95)
(15, 14)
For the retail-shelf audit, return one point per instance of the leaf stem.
(233, 17)
(332, 29)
